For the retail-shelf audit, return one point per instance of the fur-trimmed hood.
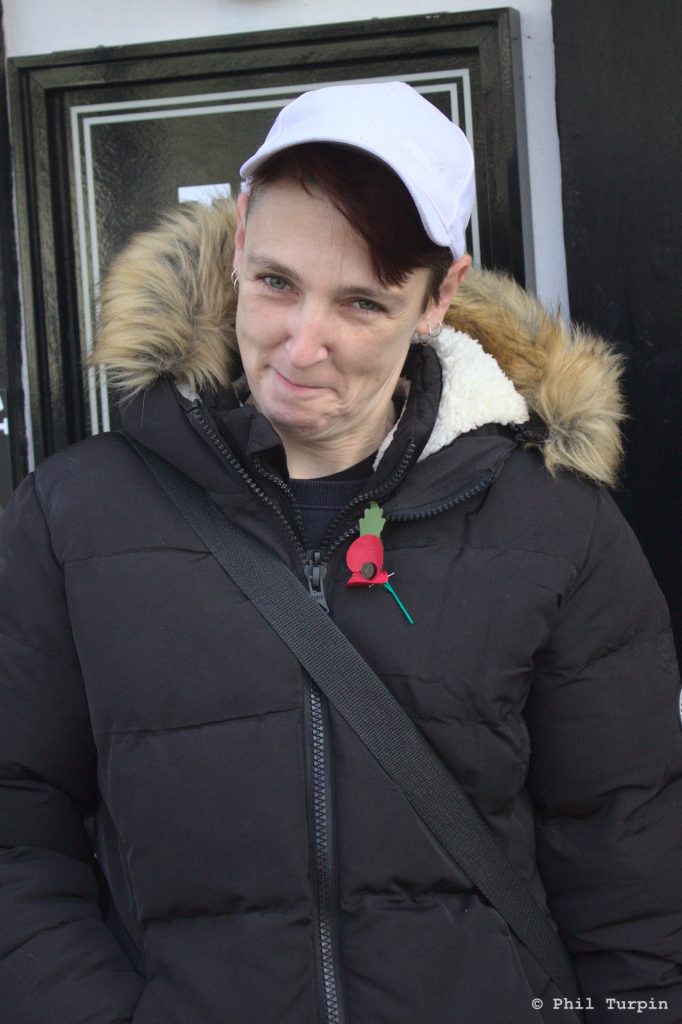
(168, 309)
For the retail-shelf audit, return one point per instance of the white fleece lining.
(475, 392)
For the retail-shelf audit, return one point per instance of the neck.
(307, 460)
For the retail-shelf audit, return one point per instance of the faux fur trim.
(168, 304)
(568, 376)
(168, 308)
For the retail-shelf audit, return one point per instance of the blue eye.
(366, 305)
(278, 284)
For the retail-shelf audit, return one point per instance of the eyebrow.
(261, 261)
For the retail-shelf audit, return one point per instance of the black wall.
(619, 79)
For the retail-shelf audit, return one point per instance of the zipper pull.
(315, 573)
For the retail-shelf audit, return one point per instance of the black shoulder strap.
(373, 713)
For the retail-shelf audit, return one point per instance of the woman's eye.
(277, 283)
(366, 305)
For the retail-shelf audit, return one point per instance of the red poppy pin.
(365, 556)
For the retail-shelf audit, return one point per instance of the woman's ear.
(240, 233)
(451, 283)
(436, 309)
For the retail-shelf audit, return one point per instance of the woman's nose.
(308, 336)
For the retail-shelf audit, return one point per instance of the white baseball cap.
(394, 123)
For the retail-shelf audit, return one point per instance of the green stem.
(407, 615)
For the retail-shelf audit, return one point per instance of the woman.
(253, 861)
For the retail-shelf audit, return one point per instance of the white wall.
(42, 26)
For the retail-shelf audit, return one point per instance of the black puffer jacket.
(254, 864)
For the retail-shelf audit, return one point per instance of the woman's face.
(321, 341)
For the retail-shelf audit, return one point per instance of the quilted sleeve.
(58, 960)
(606, 780)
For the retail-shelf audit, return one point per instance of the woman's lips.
(293, 386)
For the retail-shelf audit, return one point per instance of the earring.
(431, 334)
(234, 278)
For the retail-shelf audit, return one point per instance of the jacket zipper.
(314, 562)
(315, 572)
(235, 464)
(314, 568)
(323, 867)
(457, 499)
(360, 499)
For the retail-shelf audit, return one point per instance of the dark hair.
(373, 200)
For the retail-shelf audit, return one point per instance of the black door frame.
(40, 90)
(13, 448)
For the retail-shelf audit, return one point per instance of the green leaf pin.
(373, 520)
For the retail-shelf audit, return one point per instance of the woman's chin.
(295, 423)
(295, 418)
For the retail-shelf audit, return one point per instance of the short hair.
(374, 201)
